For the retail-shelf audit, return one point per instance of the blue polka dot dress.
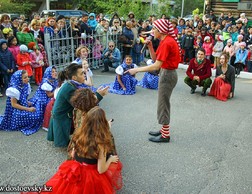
(94, 89)
(48, 84)
(20, 120)
(128, 81)
(149, 81)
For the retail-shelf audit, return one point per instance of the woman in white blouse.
(20, 114)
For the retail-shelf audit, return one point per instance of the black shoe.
(203, 93)
(155, 133)
(159, 139)
(105, 70)
(193, 90)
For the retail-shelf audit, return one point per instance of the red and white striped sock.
(165, 131)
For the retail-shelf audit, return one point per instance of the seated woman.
(92, 168)
(20, 114)
(45, 90)
(150, 79)
(125, 84)
(224, 83)
(49, 106)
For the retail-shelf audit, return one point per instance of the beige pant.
(167, 81)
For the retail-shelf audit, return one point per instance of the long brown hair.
(94, 134)
(83, 99)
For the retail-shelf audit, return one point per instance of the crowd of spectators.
(215, 34)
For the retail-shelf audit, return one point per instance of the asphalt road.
(210, 149)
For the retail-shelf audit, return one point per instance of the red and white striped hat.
(165, 27)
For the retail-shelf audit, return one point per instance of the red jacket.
(203, 70)
(24, 57)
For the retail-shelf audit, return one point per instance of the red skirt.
(220, 89)
(47, 114)
(81, 178)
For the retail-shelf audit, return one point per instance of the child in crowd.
(97, 54)
(198, 44)
(208, 46)
(7, 63)
(237, 43)
(243, 19)
(81, 54)
(229, 50)
(150, 79)
(241, 57)
(13, 47)
(125, 84)
(250, 59)
(217, 50)
(20, 114)
(37, 62)
(137, 52)
(93, 167)
(88, 83)
(187, 45)
(24, 61)
(45, 59)
(92, 23)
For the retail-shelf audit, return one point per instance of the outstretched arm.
(155, 66)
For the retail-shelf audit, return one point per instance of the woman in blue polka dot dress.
(125, 84)
(150, 79)
(20, 114)
(46, 89)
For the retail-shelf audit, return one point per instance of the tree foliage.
(189, 6)
(141, 10)
(16, 6)
(122, 7)
(164, 7)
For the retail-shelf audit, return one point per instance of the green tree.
(189, 6)
(122, 7)
(164, 7)
(16, 6)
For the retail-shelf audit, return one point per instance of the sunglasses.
(111, 45)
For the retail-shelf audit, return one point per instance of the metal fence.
(61, 50)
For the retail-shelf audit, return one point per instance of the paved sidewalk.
(210, 150)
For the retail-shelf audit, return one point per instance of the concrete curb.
(243, 74)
